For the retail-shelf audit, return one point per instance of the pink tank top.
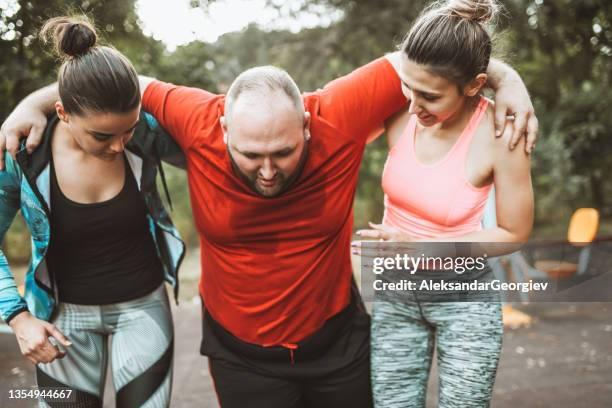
(437, 200)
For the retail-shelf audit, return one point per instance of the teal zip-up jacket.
(24, 185)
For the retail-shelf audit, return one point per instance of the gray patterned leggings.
(141, 343)
(467, 336)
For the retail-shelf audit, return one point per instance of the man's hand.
(24, 121)
(29, 119)
(33, 338)
(512, 101)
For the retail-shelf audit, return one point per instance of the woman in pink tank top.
(443, 161)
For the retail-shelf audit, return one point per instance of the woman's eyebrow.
(95, 132)
(419, 90)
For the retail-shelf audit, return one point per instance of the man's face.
(266, 139)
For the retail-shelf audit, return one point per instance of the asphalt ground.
(563, 359)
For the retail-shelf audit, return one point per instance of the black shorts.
(331, 368)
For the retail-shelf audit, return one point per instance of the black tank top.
(102, 253)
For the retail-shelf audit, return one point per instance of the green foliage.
(564, 52)
(27, 64)
(181, 212)
(17, 244)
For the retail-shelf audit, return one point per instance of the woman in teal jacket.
(102, 242)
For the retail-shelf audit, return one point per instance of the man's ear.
(223, 128)
(475, 85)
(307, 125)
(61, 113)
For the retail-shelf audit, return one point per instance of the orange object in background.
(514, 318)
(581, 231)
(583, 226)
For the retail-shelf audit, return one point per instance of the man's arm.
(187, 113)
(358, 103)
(511, 99)
(27, 120)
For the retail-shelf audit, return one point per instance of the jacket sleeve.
(154, 141)
(11, 303)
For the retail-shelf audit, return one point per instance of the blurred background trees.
(561, 48)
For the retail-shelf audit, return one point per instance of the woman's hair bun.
(71, 36)
(480, 11)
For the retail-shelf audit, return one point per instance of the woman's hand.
(388, 241)
(384, 233)
(33, 338)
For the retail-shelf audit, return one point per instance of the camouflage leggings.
(467, 336)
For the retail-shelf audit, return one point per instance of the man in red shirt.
(272, 176)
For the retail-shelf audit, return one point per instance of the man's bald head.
(266, 129)
(263, 85)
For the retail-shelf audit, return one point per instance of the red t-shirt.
(275, 269)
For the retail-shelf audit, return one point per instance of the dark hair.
(91, 78)
(452, 40)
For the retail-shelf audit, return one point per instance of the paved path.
(564, 360)
(192, 385)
